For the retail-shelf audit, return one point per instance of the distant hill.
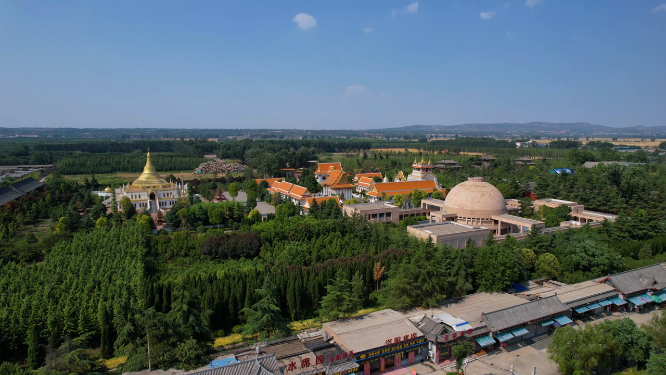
(545, 128)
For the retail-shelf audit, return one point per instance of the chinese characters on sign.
(398, 340)
(319, 360)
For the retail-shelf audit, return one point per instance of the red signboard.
(411, 358)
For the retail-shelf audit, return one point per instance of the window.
(388, 214)
(381, 215)
(374, 216)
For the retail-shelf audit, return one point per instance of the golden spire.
(149, 177)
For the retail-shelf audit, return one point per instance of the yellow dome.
(475, 198)
(149, 178)
(108, 190)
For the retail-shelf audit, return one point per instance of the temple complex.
(150, 191)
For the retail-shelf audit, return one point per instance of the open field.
(395, 149)
(119, 178)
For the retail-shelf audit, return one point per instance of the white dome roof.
(475, 198)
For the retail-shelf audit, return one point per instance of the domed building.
(150, 191)
(477, 204)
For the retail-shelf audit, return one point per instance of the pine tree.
(106, 342)
(339, 300)
(264, 316)
(35, 358)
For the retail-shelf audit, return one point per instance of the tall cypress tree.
(106, 342)
(35, 358)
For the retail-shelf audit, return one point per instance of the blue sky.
(330, 64)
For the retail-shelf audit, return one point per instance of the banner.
(382, 368)
(411, 357)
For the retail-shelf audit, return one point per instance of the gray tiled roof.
(17, 189)
(430, 328)
(267, 365)
(640, 279)
(521, 314)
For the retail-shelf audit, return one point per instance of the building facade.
(150, 191)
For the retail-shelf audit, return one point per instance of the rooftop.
(517, 315)
(266, 365)
(370, 331)
(402, 187)
(640, 279)
(470, 308)
(371, 206)
(448, 227)
(572, 295)
(517, 219)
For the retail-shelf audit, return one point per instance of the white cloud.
(355, 91)
(368, 29)
(487, 15)
(305, 21)
(659, 8)
(412, 8)
(507, 5)
(533, 3)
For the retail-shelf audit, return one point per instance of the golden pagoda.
(150, 191)
(150, 178)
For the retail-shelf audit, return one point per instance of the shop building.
(641, 286)
(380, 341)
(527, 320)
(585, 299)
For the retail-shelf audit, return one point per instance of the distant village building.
(524, 160)
(592, 164)
(150, 191)
(447, 164)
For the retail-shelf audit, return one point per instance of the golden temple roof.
(150, 178)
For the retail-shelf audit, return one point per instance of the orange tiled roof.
(299, 191)
(365, 182)
(368, 174)
(337, 180)
(402, 187)
(320, 200)
(325, 168)
(269, 180)
(295, 191)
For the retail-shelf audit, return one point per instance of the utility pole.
(534, 371)
(149, 366)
